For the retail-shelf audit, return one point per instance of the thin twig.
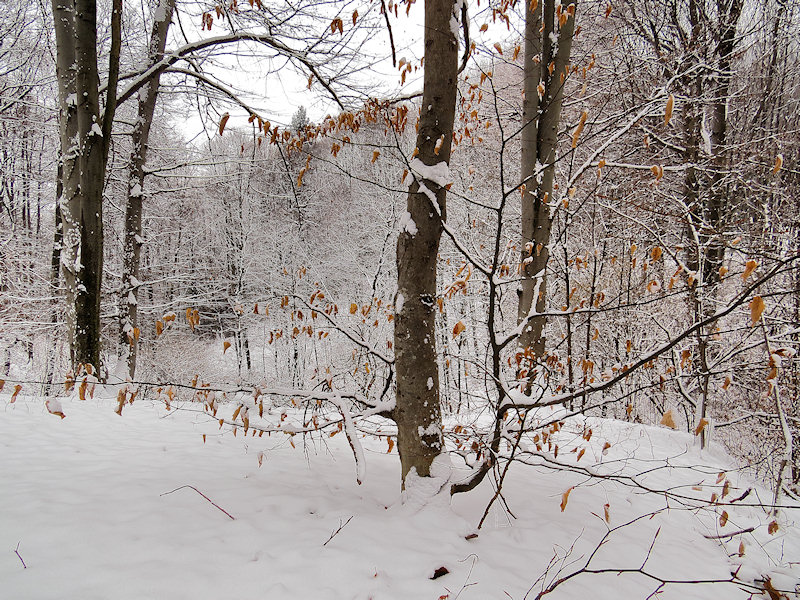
(203, 495)
(391, 36)
(722, 536)
(341, 526)
(16, 551)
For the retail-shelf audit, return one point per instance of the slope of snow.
(87, 500)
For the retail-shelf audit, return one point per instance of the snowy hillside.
(97, 506)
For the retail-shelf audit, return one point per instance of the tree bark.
(418, 411)
(85, 141)
(129, 290)
(714, 247)
(547, 54)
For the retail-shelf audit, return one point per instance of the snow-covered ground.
(85, 502)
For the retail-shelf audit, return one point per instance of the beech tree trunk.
(547, 53)
(129, 289)
(85, 133)
(418, 411)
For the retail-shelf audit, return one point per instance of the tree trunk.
(717, 208)
(545, 70)
(129, 290)
(85, 136)
(418, 411)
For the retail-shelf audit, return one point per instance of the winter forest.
(387, 299)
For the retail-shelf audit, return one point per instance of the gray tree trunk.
(129, 290)
(540, 116)
(418, 411)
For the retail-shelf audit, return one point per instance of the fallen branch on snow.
(203, 495)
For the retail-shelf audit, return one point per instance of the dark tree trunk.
(85, 135)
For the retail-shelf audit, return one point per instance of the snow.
(431, 429)
(98, 506)
(455, 17)
(161, 11)
(430, 383)
(438, 173)
(96, 130)
(406, 223)
(398, 303)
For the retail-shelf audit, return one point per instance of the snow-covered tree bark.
(418, 411)
(548, 44)
(129, 292)
(85, 133)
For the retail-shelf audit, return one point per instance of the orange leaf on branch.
(757, 307)
(223, 121)
(458, 329)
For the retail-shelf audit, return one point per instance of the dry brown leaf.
(459, 327)
(778, 164)
(757, 307)
(579, 128)
(223, 121)
(668, 420)
(54, 409)
(668, 109)
(565, 498)
(748, 269)
(700, 426)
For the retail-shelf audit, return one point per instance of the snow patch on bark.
(406, 223)
(438, 173)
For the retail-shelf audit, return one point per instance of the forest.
(485, 238)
